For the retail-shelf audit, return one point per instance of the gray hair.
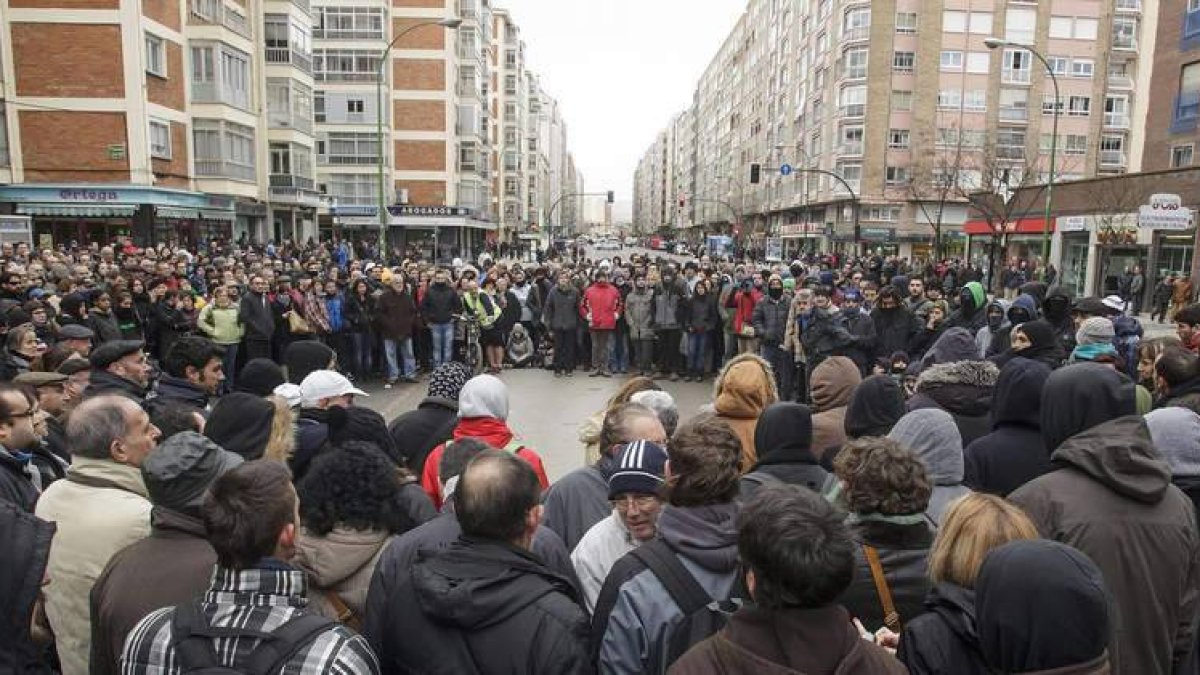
(95, 424)
(663, 405)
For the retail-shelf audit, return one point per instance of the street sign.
(785, 170)
(1165, 212)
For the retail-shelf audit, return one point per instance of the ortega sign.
(1165, 212)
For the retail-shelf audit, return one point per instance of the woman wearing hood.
(945, 639)
(954, 379)
(933, 437)
(1013, 453)
(782, 442)
(743, 390)
(352, 502)
(833, 384)
(1033, 340)
(482, 414)
(1041, 607)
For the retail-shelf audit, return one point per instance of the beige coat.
(93, 524)
(341, 562)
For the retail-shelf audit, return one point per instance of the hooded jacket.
(963, 389)
(933, 437)
(27, 547)
(741, 392)
(970, 314)
(1013, 453)
(945, 639)
(1110, 496)
(819, 641)
(993, 340)
(875, 406)
(783, 444)
(953, 344)
(485, 606)
(1176, 435)
(634, 613)
(1056, 310)
(895, 329)
(833, 383)
(341, 562)
(1042, 609)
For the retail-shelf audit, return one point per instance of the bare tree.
(1114, 201)
(935, 179)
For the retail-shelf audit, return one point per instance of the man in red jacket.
(601, 307)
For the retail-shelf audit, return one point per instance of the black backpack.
(703, 616)
(192, 637)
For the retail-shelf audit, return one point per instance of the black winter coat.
(1013, 453)
(479, 606)
(944, 640)
(358, 313)
(418, 432)
(440, 304)
(15, 486)
(894, 330)
(698, 314)
(963, 389)
(26, 550)
(903, 554)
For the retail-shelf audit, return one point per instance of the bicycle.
(472, 347)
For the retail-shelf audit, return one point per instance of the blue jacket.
(333, 305)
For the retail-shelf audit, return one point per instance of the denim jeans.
(443, 342)
(229, 365)
(406, 353)
(360, 356)
(697, 345)
(618, 361)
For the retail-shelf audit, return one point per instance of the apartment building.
(1172, 128)
(908, 106)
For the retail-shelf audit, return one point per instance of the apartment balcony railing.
(354, 200)
(352, 34)
(236, 22)
(289, 120)
(1015, 75)
(1129, 5)
(853, 110)
(856, 34)
(839, 189)
(1014, 113)
(213, 92)
(851, 149)
(295, 189)
(222, 168)
(1116, 120)
(345, 76)
(1112, 157)
(1120, 81)
(285, 55)
(288, 180)
(348, 160)
(1010, 151)
(1125, 42)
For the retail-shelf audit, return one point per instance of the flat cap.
(74, 331)
(73, 365)
(112, 351)
(37, 379)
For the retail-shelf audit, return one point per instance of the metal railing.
(289, 180)
(1014, 114)
(225, 169)
(1116, 120)
(1112, 157)
(1015, 75)
(286, 55)
(1120, 81)
(851, 148)
(856, 33)
(347, 34)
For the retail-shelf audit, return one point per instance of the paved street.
(546, 411)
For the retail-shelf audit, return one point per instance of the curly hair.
(357, 486)
(704, 454)
(880, 476)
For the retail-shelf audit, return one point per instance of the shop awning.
(78, 210)
(213, 214)
(176, 212)
(1020, 226)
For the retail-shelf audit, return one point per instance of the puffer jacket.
(1111, 497)
(945, 638)
(770, 320)
(339, 566)
(833, 383)
(639, 315)
(666, 305)
(698, 314)
(963, 389)
(741, 392)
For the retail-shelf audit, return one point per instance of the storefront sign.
(431, 211)
(1072, 224)
(83, 195)
(1165, 212)
(802, 230)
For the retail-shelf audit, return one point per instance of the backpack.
(703, 616)
(192, 637)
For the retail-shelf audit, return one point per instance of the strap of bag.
(271, 654)
(189, 634)
(890, 618)
(687, 593)
(345, 615)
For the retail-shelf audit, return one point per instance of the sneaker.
(387, 385)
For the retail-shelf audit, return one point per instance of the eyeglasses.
(627, 502)
(28, 413)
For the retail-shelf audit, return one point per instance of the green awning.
(79, 210)
(176, 213)
(214, 214)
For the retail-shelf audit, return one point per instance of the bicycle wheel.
(475, 358)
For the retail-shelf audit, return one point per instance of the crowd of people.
(896, 472)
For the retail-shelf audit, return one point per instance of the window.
(979, 62)
(318, 106)
(856, 25)
(954, 22)
(1191, 20)
(354, 106)
(1086, 29)
(1059, 65)
(975, 100)
(1020, 25)
(1010, 143)
(1079, 106)
(1187, 102)
(950, 99)
(852, 140)
(902, 100)
(1116, 111)
(156, 56)
(946, 137)
(341, 148)
(354, 189)
(1050, 105)
(1181, 156)
(855, 63)
(1082, 68)
(202, 65)
(1112, 150)
(1124, 33)
(1062, 27)
(980, 23)
(952, 61)
(345, 65)
(896, 175)
(348, 23)
(898, 139)
(220, 74)
(224, 149)
(1016, 67)
(851, 173)
(906, 23)
(854, 101)
(1076, 144)
(1014, 105)
(903, 62)
(160, 139)
(881, 213)
(510, 85)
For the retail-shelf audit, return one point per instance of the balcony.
(213, 92)
(221, 168)
(1014, 113)
(1112, 158)
(293, 189)
(287, 56)
(1116, 120)
(853, 110)
(351, 34)
(347, 160)
(236, 22)
(1015, 75)
(856, 34)
(1129, 5)
(851, 148)
(1119, 81)
(1010, 151)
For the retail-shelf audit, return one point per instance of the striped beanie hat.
(640, 469)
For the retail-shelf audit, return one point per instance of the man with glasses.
(633, 491)
(20, 482)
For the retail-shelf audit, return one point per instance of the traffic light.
(610, 197)
(755, 173)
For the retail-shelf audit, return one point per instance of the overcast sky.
(620, 69)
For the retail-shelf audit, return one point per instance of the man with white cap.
(324, 396)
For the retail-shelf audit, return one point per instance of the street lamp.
(451, 23)
(996, 43)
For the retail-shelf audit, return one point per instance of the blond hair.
(973, 526)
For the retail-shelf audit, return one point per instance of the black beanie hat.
(259, 377)
(305, 356)
(241, 423)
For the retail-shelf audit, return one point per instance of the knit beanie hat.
(1175, 432)
(448, 380)
(241, 423)
(640, 469)
(259, 377)
(1094, 331)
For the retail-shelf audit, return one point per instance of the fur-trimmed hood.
(961, 387)
(745, 387)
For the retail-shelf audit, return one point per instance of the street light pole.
(996, 43)
(383, 57)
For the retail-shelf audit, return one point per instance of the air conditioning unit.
(402, 196)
